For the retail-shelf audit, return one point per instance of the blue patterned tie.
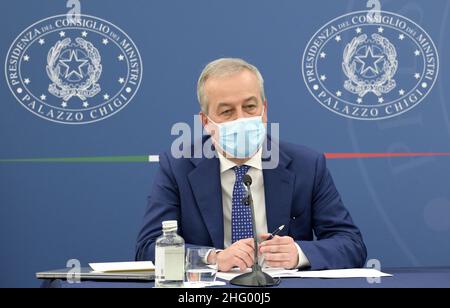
(241, 215)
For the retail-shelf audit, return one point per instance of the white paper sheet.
(123, 266)
(196, 285)
(340, 273)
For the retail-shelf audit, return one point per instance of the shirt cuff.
(205, 258)
(302, 259)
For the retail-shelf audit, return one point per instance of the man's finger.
(239, 263)
(278, 240)
(245, 256)
(279, 257)
(246, 246)
(275, 248)
(250, 242)
(265, 236)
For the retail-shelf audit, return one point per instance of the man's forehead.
(234, 85)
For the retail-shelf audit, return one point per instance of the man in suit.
(205, 195)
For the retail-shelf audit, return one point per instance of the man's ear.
(204, 119)
(265, 111)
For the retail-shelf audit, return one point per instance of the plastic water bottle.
(169, 257)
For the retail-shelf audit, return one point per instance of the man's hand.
(239, 254)
(280, 251)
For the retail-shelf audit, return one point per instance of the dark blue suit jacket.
(299, 193)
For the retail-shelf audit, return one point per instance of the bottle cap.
(170, 225)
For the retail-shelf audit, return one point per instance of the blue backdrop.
(55, 211)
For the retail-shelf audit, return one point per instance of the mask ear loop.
(215, 124)
(216, 143)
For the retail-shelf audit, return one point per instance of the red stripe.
(380, 155)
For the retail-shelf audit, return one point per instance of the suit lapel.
(278, 190)
(205, 184)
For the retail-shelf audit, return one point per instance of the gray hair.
(221, 68)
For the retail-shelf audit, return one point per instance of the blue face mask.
(241, 138)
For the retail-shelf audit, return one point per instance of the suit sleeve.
(163, 204)
(339, 242)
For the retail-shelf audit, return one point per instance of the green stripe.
(97, 159)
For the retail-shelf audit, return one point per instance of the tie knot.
(240, 171)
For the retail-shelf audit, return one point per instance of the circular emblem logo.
(370, 67)
(73, 71)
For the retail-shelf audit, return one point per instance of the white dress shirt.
(227, 180)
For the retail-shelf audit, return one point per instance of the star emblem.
(401, 37)
(121, 80)
(62, 34)
(120, 57)
(41, 41)
(369, 62)
(26, 58)
(105, 41)
(73, 66)
(338, 38)
(417, 75)
(84, 34)
(323, 55)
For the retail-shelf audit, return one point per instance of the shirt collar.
(254, 162)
